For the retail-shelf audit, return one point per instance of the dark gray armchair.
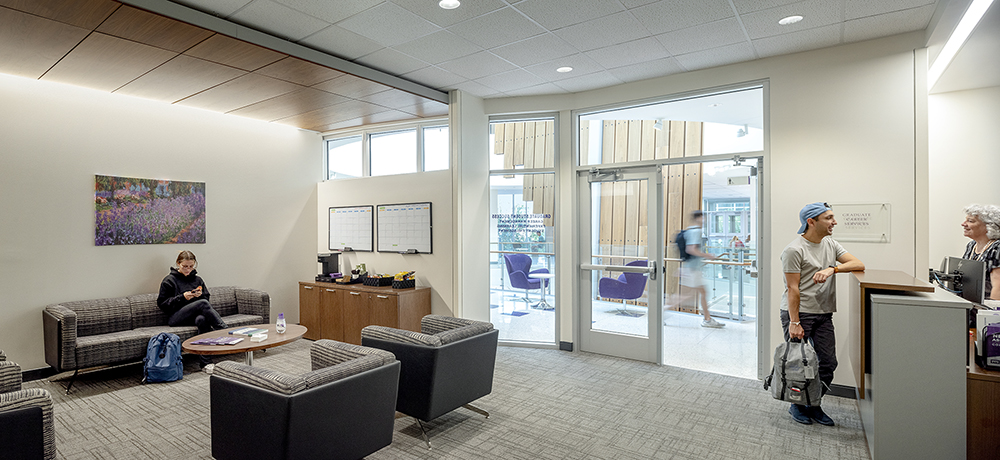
(343, 409)
(26, 426)
(447, 365)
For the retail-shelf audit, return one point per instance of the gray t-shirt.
(806, 258)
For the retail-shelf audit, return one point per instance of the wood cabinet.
(339, 312)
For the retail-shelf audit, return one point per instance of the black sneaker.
(798, 413)
(816, 413)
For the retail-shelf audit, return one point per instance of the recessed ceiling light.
(564, 69)
(449, 4)
(790, 20)
(714, 105)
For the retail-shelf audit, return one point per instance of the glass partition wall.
(522, 230)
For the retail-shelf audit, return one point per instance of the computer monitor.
(970, 279)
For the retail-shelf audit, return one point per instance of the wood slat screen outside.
(531, 145)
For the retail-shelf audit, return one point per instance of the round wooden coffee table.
(292, 332)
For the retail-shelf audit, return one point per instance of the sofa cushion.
(101, 316)
(223, 300)
(145, 313)
(242, 320)
(184, 332)
(111, 348)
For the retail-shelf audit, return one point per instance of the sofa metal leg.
(71, 380)
(476, 409)
(423, 433)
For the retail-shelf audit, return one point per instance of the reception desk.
(909, 343)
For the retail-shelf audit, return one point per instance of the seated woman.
(184, 297)
(982, 226)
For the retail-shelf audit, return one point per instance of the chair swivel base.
(423, 431)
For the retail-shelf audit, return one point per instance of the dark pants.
(819, 328)
(200, 313)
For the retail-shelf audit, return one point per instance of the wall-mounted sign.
(862, 222)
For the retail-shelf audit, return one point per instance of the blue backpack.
(682, 245)
(163, 362)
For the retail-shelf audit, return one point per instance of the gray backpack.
(795, 375)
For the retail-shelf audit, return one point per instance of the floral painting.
(148, 211)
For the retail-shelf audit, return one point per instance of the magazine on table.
(218, 341)
(248, 331)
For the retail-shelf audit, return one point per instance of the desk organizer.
(378, 281)
(404, 284)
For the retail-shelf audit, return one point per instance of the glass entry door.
(621, 258)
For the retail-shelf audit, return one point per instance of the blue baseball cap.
(811, 211)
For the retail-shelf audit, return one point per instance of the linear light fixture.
(958, 37)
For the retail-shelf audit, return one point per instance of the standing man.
(809, 263)
(692, 264)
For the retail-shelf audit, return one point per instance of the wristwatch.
(797, 323)
(834, 267)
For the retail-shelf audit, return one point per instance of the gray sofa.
(100, 332)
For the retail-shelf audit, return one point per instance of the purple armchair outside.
(518, 269)
(627, 286)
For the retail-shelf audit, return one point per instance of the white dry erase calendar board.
(404, 227)
(351, 228)
(867, 222)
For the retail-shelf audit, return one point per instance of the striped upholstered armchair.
(447, 365)
(343, 409)
(26, 426)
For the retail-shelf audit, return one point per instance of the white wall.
(260, 188)
(842, 130)
(433, 269)
(964, 159)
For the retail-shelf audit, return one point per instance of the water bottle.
(280, 326)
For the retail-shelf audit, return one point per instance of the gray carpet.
(546, 404)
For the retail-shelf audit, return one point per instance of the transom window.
(400, 149)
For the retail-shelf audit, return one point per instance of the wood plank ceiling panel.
(299, 101)
(30, 45)
(179, 78)
(239, 92)
(352, 87)
(380, 117)
(427, 108)
(106, 63)
(87, 14)
(298, 71)
(152, 29)
(333, 114)
(232, 52)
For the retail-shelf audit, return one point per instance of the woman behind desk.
(982, 226)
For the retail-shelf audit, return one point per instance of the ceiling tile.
(815, 13)
(883, 25)
(729, 54)
(81, 13)
(351, 86)
(647, 70)
(299, 71)
(30, 45)
(221, 8)
(637, 3)
(854, 9)
(438, 47)
(748, 6)
(341, 42)
(240, 92)
(820, 37)
(477, 89)
(477, 65)
(328, 11)
(391, 61)
(661, 17)
(152, 29)
(608, 30)
(580, 63)
(302, 100)
(556, 14)
(388, 24)
(497, 28)
(427, 108)
(536, 49)
(278, 20)
(434, 77)
(514, 79)
(544, 88)
(178, 78)
(588, 82)
(393, 99)
(232, 52)
(628, 53)
(432, 12)
(106, 63)
(703, 37)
